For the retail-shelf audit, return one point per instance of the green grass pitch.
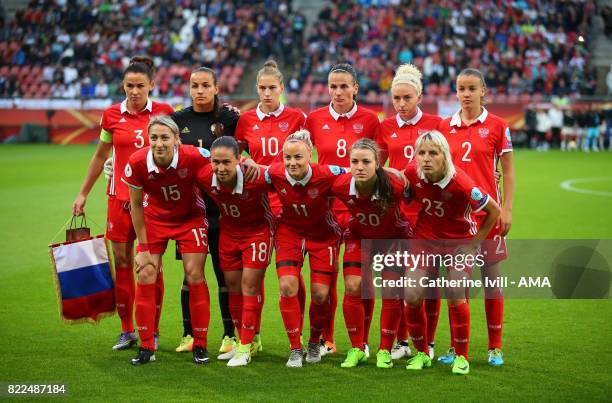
(555, 350)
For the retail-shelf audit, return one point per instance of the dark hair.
(475, 73)
(270, 67)
(382, 187)
(141, 64)
(213, 74)
(344, 68)
(227, 142)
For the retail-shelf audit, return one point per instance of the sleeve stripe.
(505, 150)
(130, 185)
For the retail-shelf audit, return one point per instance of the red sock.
(290, 311)
(389, 317)
(260, 304)
(402, 327)
(159, 299)
(417, 326)
(432, 310)
(250, 313)
(368, 309)
(199, 307)
(145, 314)
(354, 319)
(460, 325)
(318, 317)
(494, 309)
(328, 329)
(124, 297)
(235, 307)
(302, 300)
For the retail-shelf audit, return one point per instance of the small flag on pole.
(84, 280)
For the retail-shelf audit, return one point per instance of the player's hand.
(497, 176)
(505, 220)
(231, 108)
(250, 169)
(108, 169)
(144, 259)
(78, 206)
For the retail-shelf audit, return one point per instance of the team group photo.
(288, 200)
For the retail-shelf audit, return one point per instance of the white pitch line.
(569, 186)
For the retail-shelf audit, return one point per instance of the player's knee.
(413, 299)
(148, 275)
(250, 287)
(194, 276)
(352, 286)
(287, 288)
(319, 296)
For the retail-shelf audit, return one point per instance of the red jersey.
(477, 148)
(333, 134)
(447, 205)
(398, 137)
(128, 133)
(306, 203)
(245, 209)
(367, 220)
(265, 134)
(170, 193)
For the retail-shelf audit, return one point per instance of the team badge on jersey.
(476, 194)
(128, 170)
(182, 173)
(358, 127)
(313, 193)
(483, 132)
(284, 126)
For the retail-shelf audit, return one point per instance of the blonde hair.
(302, 135)
(438, 140)
(408, 74)
(270, 67)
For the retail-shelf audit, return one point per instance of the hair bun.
(409, 69)
(144, 60)
(271, 64)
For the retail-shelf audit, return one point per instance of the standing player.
(163, 198)
(306, 225)
(479, 140)
(245, 242)
(199, 125)
(396, 137)
(262, 132)
(448, 197)
(124, 131)
(373, 198)
(334, 129)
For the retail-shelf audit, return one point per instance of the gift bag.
(76, 232)
(84, 279)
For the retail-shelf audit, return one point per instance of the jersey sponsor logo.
(122, 120)
(151, 177)
(358, 127)
(284, 126)
(182, 173)
(325, 127)
(394, 135)
(185, 130)
(313, 193)
(283, 191)
(476, 194)
(350, 201)
(483, 132)
(453, 131)
(255, 127)
(127, 170)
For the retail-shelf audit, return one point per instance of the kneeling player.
(163, 198)
(245, 241)
(448, 197)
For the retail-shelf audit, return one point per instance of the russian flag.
(84, 279)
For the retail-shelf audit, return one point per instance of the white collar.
(152, 167)
(456, 120)
(401, 122)
(347, 115)
(303, 181)
(353, 191)
(123, 107)
(239, 182)
(276, 113)
(442, 183)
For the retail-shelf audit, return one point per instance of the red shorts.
(342, 216)
(119, 226)
(251, 252)
(494, 247)
(322, 254)
(191, 235)
(434, 254)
